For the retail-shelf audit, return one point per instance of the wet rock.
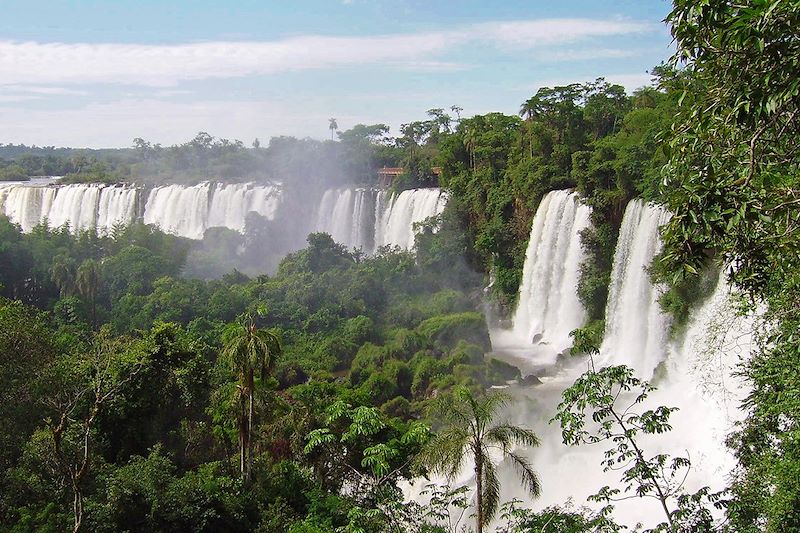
(530, 380)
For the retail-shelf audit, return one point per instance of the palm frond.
(507, 435)
(485, 407)
(445, 453)
(526, 473)
(490, 493)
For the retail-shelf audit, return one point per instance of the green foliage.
(566, 519)
(468, 430)
(732, 183)
(27, 348)
(446, 330)
(600, 407)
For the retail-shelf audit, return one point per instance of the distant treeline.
(355, 158)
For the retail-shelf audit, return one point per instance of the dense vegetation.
(135, 397)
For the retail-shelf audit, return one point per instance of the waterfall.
(81, 206)
(701, 376)
(357, 217)
(27, 206)
(117, 205)
(190, 211)
(230, 204)
(636, 327)
(348, 215)
(395, 216)
(549, 307)
(76, 205)
(698, 366)
(178, 209)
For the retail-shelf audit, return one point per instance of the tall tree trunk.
(77, 508)
(250, 387)
(242, 435)
(479, 490)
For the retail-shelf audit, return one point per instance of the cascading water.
(190, 211)
(348, 215)
(27, 206)
(117, 205)
(230, 204)
(697, 375)
(701, 377)
(395, 216)
(636, 327)
(364, 218)
(81, 206)
(549, 307)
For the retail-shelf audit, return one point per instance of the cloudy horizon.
(73, 87)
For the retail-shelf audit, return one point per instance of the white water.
(636, 327)
(701, 379)
(80, 206)
(549, 307)
(190, 211)
(348, 215)
(361, 218)
(396, 216)
(696, 373)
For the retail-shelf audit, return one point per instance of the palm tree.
(87, 282)
(63, 275)
(470, 139)
(470, 431)
(249, 351)
(531, 108)
(333, 126)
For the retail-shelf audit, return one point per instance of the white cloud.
(584, 54)
(11, 98)
(630, 81)
(36, 63)
(115, 124)
(531, 33)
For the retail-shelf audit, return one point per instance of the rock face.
(530, 380)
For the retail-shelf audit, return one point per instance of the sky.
(91, 73)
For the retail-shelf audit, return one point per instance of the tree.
(732, 186)
(249, 351)
(470, 431)
(608, 397)
(363, 450)
(64, 275)
(333, 126)
(87, 383)
(87, 283)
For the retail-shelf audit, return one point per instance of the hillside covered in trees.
(135, 396)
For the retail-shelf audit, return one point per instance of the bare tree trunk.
(77, 507)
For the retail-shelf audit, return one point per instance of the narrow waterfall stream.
(395, 216)
(548, 307)
(637, 329)
(348, 215)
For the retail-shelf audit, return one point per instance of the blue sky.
(99, 73)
